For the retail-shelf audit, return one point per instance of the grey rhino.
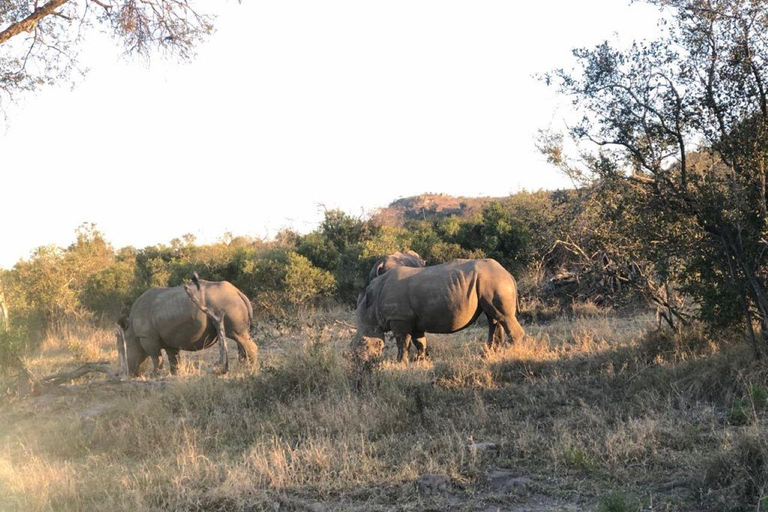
(439, 299)
(166, 318)
(394, 260)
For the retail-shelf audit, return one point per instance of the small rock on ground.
(433, 483)
(504, 480)
(483, 447)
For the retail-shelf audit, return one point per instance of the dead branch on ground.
(84, 369)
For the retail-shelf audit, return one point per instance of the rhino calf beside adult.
(445, 298)
(167, 319)
(394, 260)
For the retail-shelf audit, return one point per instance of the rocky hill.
(430, 206)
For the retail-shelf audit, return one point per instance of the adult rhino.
(394, 260)
(439, 299)
(168, 319)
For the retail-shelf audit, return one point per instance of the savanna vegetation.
(642, 383)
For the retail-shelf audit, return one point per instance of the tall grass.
(589, 407)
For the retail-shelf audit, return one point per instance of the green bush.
(303, 281)
(107, 291)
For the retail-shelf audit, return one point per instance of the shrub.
(108, 290)
(312, 370)
(737, 477)
(303, 281)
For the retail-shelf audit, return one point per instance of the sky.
(294, 106)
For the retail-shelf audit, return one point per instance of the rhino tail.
(517, 295)
(196, 280)
(247, 305)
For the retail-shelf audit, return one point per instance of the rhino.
(445, 298)
(398, 259)
(168, 319)
(394, 260)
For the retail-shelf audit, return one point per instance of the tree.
(39, 40)
(684, 119)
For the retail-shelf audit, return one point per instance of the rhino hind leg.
(403, 343)
(173, 359)
(514, 330)
(157, 362)
(420, 342)
(495, 333)
(500, 311)
(247, 350)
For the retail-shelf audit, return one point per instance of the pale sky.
(292, 105)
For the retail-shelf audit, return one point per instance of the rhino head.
(130, 354)
(370, 336)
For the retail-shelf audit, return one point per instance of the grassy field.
(594, 411)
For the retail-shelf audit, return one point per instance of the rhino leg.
(403, 343)
(136, 359)
(495, 333)
(420, 342)
(157, 363)
(247, 350)
(151, 346)
(514, 330)
(173, 359)
(500, 310)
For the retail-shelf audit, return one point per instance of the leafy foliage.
(39, 44)
(679, 128)
(92, 280)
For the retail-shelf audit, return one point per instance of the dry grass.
(591, 409)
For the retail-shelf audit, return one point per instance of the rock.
(506, 481)
(483, 447)
(433, 483)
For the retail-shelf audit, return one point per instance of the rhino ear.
(418, 258)
(379, 267)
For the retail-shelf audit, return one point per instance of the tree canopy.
(683, 120)
(40, 41)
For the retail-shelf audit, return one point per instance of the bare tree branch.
(31, 21)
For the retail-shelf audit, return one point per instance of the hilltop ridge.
(431, 205)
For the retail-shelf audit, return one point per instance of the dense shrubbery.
(92, 279)
(563, 246)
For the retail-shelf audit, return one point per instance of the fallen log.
(84, 369)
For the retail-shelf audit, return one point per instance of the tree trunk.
(734, 264)
(4, 321)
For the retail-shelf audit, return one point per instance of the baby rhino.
(439, 299)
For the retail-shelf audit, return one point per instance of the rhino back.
(169, 315)
(140, 322)
(176, 318)
(437, 299)
(392, 261)
(443, 298)
(224, 296)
